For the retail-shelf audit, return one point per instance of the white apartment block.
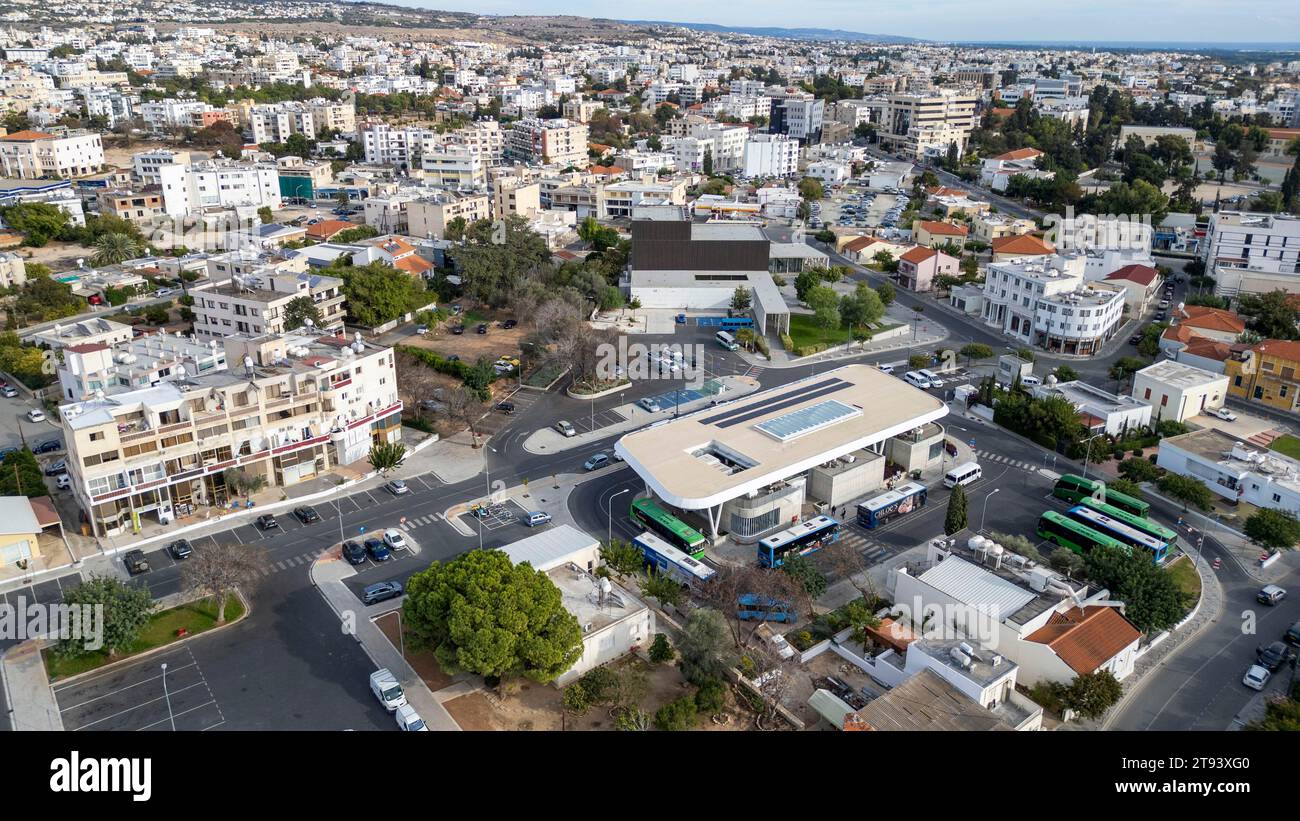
(1044, 302)
(288, 408)
(30, 155)
(914, 123)
(145, 164)
(428, 218)
(1252, 253)
(542, 142)
(160, 115)
(278, 121)
(454, 166)
(770, 155)
(13, 271)
(255, 303)
(189, 189)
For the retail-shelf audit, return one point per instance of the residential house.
(1141, 283)
(918, 268)
(1178, 391)
(930, 234)
(1020, 245)
(1267, 373)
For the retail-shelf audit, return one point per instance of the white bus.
(727, 341)
(672, 562)
(963, 475)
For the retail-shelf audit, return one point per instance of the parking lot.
(142, 696)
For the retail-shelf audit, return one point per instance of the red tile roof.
(1141, 274)
(1019, 154)
(21, 136)
(87, 347)
(918, 255)
(1086, 638)
(943, 228)
(1207, 348)
(1026, 245)
(328, 228)
(1212, 319)
(413, 264)
(1281, 348)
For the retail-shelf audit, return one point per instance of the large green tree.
(825, 304)
(298, 310)
(1272, 315)
(378, 293)
(482, 614)
(955, 520)
(1152, 600)
(703, 646)
(1186, 489)
(125, 609)
(497, 255)
(21, 475)
(1274, 529)
(862, 307)
(38, 222)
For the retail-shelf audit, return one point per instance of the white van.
(915, 378)
(963, 475)
(385, 687)
(727, 341)
(935, 381)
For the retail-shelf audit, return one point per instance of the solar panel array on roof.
(806, 420)
(776, 403)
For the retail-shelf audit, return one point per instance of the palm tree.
(111, 249)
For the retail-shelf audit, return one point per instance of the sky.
(1225, 21)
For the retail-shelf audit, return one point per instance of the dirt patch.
(59, 256)
(471, 345)
(424, 664)
(532, 706)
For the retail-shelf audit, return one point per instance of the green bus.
(1065, 532)
(668, 527)
(1153, 529)
(1072, 488)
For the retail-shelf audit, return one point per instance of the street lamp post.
(609, 513)
(985, 512)
(168, 698)
(1087, 454)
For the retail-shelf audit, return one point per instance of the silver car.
(397, 487)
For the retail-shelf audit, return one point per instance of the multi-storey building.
(1045, 302)
(797, 114)
(276, 122)
(545, 142)
(515, 195)
(770, 155)
(256, 303)
(1252, 253)
(30, 155)
(287, 408)
(454, 166)
(428, 218)
(188, 189)
(145, 164)
(919, 124)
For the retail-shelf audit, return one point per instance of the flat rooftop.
(1181, 375)
(722, 452)
(580, 593)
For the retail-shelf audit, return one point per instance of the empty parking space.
(601, 419)
(142, 696)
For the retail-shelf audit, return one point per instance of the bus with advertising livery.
(800, 540)
(752, 606)
(648, 514)
(900, 501)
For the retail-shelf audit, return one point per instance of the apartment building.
(255, 303)
(30, 155)
(145, 164)
(429, 217)
(302, 179)
(288, 407)
(136, 206)
(770, 155)
(1267, 373)
(276, 122)
(515, 195)
(13, 271)
(580, 110)
(189, 189)
(548, 142)
(91, 368)
(921, 125)
(1045, 302)
(798, 115)
(454, 166)
(1252, 253)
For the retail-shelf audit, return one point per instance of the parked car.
(306, 514)
(596, 462)
(566, 428)
(9, 391)
(1273, 655)
(63, 481)
(536, 518)
(458, 330)
(267, 521)
(394, 539)
(397, 487)
(55, 468)
(507, 408)
(180, 549)
(408, 720)
(1270, 594)
(1224, 414)
(1135, 339)
(354, 552)
(48, 446)
(35, 415)
(378, 550)
(421, 329)
(385, 687)
(381, 591)
(482, 328)
(886, 368)
(509, 323)
(135, 562)
(1293, 634)
(1256, 677)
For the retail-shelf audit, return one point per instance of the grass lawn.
(195, 617)
(1287, 446)
(1186, 577)
(804, 331)
(544, 376)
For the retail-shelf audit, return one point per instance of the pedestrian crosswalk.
(754, 371)
(300, 560)
(420, 521)
(872, 550)
(988, 456)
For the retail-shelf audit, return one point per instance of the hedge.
(441, 364)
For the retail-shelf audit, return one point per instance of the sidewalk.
(27, 689)
(328, 573)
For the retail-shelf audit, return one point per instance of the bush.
(711, 697)
(677, 715)
(786, 342)
(660, 650)
(761, 344)
(599, 683)
(576, 699)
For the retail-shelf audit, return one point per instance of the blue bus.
(671, 562)
(802, 539)
(898, 502)
(732, 323)
(752, 606)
